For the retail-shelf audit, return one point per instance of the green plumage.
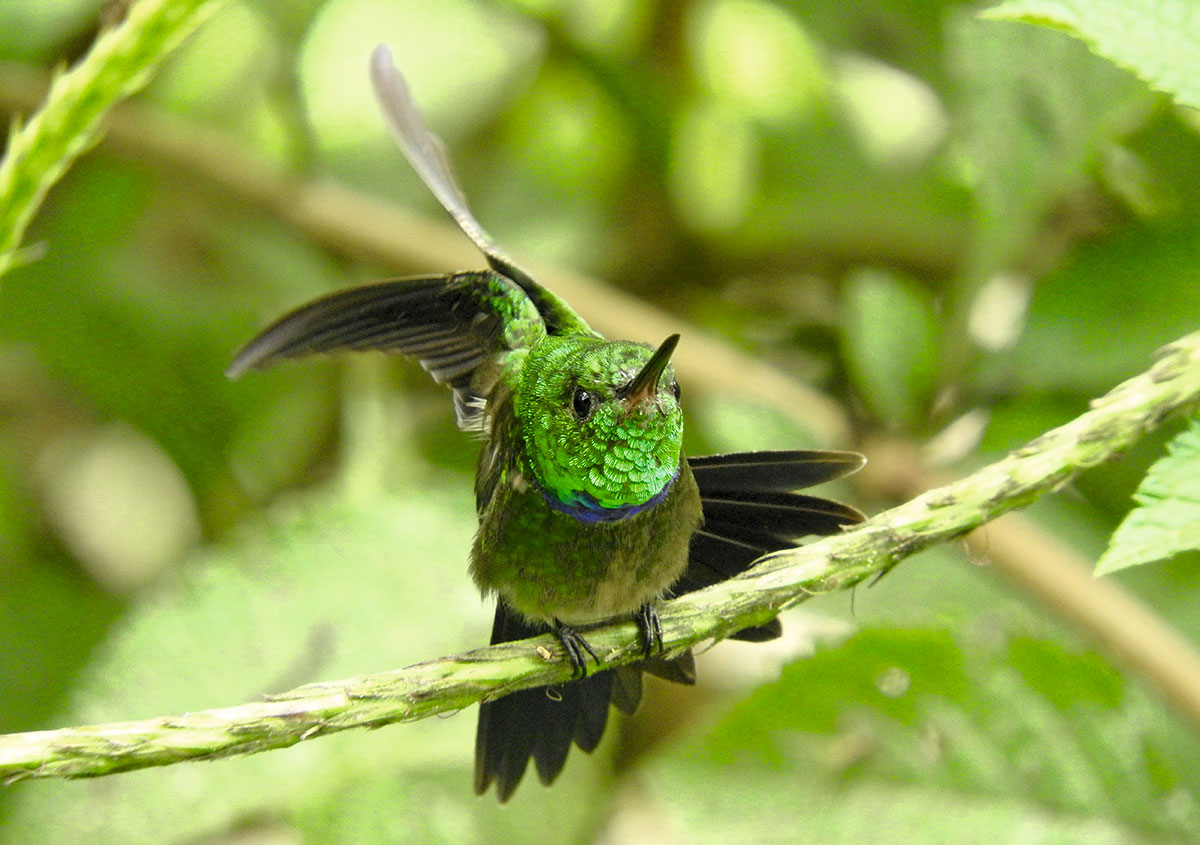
(623, 452)
(543, 464)
(588, 509)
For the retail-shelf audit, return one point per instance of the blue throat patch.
(585, 508)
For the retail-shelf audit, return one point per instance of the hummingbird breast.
(551, 565)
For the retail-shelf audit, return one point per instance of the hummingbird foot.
(651, 628)
(576, 647)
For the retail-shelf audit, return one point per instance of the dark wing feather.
(770, 519)
(459, 327)
(427, 155)
(749, 511)
(772, 471)
(718, 557)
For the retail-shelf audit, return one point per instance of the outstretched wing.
(773, 471)
(460, 327)
(749, 510)
(427, 155)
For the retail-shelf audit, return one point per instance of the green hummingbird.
(588, 509)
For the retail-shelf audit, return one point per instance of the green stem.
(120, 63)
(781, 580)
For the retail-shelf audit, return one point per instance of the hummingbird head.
(601, 423)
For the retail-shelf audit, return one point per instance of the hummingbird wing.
(460, 327)
(749, 511)
(427, 155)
(776, 471)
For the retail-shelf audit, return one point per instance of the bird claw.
(651, 628)
(578, 650)
(576, 647)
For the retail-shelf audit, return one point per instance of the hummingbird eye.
(675, 389)
(582, 403)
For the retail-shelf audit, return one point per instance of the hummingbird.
(588, 509)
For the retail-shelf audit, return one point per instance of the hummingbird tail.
(540, 724)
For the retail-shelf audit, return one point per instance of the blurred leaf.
(820, 194)
(1167, 519)
(756, 58)
(52, 616)
(325, 586)
(140, 302)
(1165, 164)
(458, 64)
(557, 166)
(118, 503)
(890, 343)
(1035, 108)
(53, 621)
(824, 178)
(1015, 421)
(1165, 51)
(908, 34)
(119, 63)
(32, 31)
(1099, 318)
(899, 121)
(910, 736)
(222, 69)
(713, 169)
(722, 425)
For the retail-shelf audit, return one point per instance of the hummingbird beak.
(645, 383)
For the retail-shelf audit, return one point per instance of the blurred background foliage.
(960, 229)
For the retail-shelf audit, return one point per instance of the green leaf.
(1167, 519)
(1159, 40)
(924, 736)
(1036, 109)
(890, 342)
(120, 62)
(1097, 318)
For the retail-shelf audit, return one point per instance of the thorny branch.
(1114, 422)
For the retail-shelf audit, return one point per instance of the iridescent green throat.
(593, 453)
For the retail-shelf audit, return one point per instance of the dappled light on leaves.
(904, 228)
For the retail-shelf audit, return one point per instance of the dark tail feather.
(539, 723)
(627, 689)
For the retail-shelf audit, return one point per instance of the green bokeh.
(740, 163)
